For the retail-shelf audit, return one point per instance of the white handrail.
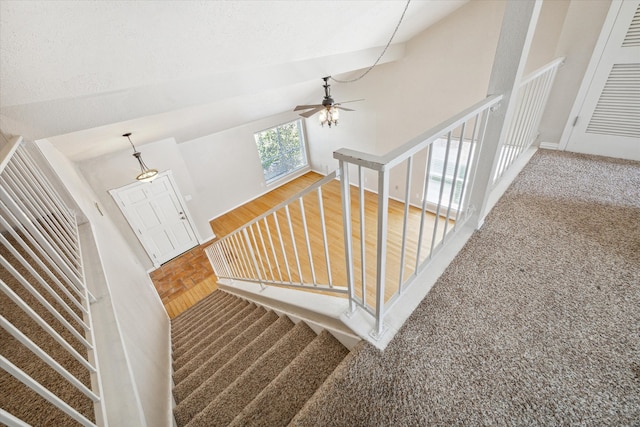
(460, 138)
(444, 177)
(286, 256)
(531, 99)
(416, 144)
(6, 153)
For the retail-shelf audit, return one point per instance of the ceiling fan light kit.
(329, 110)
(329, 116)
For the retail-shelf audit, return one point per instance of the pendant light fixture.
(146, 174)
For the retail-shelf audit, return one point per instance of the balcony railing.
(531, 101)
(394, 227)
(46, 303)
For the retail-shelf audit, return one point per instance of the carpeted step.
(211, 314)
(308, 414)
(210, 333)
(192, 401)
(207, 327)
(228, 404)
(281, 400)
(216, 312)
(212, 344)
(180, 321)
(209, 367)
(205, 314)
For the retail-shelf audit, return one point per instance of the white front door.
(608, 122)
(157, 216)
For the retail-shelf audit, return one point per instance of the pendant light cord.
(383, 51)
(128, 136)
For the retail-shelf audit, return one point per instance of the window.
(437, 168)
(282, 150)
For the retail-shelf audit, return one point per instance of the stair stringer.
(319, 312)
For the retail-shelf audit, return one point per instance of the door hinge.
(575, 121)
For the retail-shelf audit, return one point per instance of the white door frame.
(589, 74)
(169, 174)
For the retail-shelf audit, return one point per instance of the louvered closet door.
(609, 121)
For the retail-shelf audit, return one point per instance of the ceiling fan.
(328, 110)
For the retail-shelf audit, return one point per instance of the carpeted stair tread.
(209, 367)
(535, 322)
(213, 332)
(207, 314)
(279, 402)
(214, 313)
(228, 404)
(307, 415)
(208, 327)
(197, 308)
(211, 345)
(194, 401)
(186, 318)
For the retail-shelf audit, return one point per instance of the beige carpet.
(239, 364)
(15, 397)
(536, 322)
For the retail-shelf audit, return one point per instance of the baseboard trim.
(549, 145)
(320, 312)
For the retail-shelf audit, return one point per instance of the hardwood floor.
(288, 255)
(185, 280)
(188, 278)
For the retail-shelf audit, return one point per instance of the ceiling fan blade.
(310, 113)
(345, 109)
(346, 102)
(306, 107)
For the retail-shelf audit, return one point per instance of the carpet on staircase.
(238, 364)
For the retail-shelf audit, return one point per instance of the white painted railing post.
(381, 262)
(518, 26)
(247, 242)
(346, 220)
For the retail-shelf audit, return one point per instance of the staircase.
(239, 364)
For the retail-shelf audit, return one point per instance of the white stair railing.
(437, 167)
(43, 263)
(276, 247)
(426, 183)
(531, 100)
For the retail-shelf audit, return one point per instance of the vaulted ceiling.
(81, 73)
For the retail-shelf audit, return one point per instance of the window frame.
(303, 146)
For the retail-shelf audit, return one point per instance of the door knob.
(182, 217)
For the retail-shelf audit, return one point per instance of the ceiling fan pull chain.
(381, 55)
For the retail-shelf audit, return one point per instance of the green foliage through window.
(281, 150)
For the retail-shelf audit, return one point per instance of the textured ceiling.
(83, 72)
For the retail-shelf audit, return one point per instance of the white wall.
(547, 33)
(225, 166)
(580, 31)
(144, 324)
(119, 169)
(446, 69)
